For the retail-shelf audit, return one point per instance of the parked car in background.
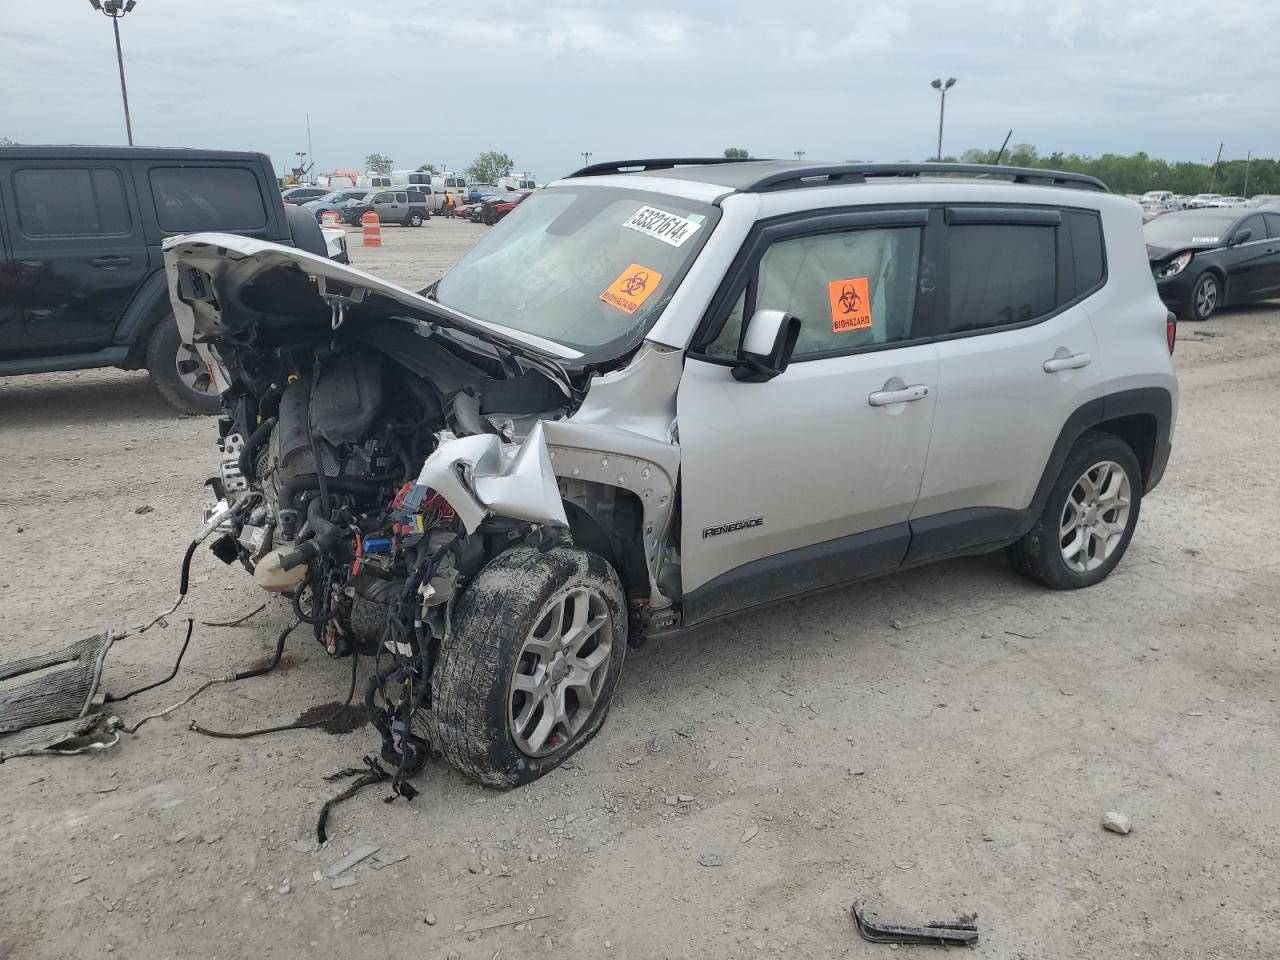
(1226, 202)
(1156, 196)
(477, 192)
(1265, 201)
(300, 195)
(82, 280)
(1208, 258)
(497, 207)
(336, 202)
(409, 208)
(1201, 200)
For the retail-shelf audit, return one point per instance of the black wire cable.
(173, 673)
(237, 622)
(246, 734)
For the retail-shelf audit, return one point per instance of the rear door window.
(1000, 274)
(71, 202)
(402, 198)
(207, 198)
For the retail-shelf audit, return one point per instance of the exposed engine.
(323, 491)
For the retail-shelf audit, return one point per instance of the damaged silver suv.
(665, 391)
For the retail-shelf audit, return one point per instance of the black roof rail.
(860, 172)
(643, 166)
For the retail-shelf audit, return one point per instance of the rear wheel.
(415, 219)
(526, 677)
(178, 371)
(1206, 296)
(1089, 518)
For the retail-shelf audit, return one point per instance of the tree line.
(489, 167)
(1137, 173)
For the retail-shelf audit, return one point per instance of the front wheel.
(526, 677)
(1205, 297)
(1089, 518)
(178, 371)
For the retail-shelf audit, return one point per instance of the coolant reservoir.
(269, 575)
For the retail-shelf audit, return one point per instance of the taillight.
(1171, 330)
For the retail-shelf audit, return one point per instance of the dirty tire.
(163, 345)
(473, 675)
(1038, 555)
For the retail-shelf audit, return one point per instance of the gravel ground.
(941, 742)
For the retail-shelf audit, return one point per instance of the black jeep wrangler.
(82, 281)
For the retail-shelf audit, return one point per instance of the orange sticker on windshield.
(632, 288)
(850, 305)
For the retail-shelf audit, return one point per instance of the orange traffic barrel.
(329, 218)
(372, 229)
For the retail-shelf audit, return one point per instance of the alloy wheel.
(560, 671)
(193, 371)
(1095, 517)
(1206, 296)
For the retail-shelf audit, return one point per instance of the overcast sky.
(544, 82)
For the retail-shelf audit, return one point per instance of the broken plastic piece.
(961, 931)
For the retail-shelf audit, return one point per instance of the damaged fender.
(480, 475)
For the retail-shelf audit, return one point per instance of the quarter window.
(1000, 274)
(1085, 260)
(851, 289)
(207, 198)
(61, 202)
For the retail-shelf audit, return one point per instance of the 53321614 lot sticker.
(850, 305)
(633, 287)
(668, 227)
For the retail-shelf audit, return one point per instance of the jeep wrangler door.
(77, 255)
(1017, 357)
(808, 479)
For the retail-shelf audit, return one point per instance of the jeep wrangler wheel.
(526, 677)
(179, 373)
(1089, 518)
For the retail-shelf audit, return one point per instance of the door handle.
(1073, 362)
(110, 262)
(882, 398)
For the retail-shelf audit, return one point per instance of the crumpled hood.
(1159, 252)
(220, 282)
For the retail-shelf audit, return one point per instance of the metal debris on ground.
(56, 711)
(961, 931)
(350, 860)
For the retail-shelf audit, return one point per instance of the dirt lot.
(936, 743)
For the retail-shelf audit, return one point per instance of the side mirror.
(1242, 236)
(767, 346)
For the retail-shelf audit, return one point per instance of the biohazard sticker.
(661, 225)
(633, 287)
(850, 305)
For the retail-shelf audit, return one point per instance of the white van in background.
(519, 181)
(373, 180)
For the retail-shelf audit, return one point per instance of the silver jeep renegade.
(665, 391)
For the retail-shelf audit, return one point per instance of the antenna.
(996, 161)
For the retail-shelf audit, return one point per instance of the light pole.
(115, 9)
(942, 87)
(586, 158)
(1248, 159)
(799, 154)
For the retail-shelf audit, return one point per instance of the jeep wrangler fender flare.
(1143, 418)
(149, 305)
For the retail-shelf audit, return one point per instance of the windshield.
(1189, 227)
(589, 267)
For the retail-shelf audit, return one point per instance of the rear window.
(65, 202)
(207, 198)
(1000, 274)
